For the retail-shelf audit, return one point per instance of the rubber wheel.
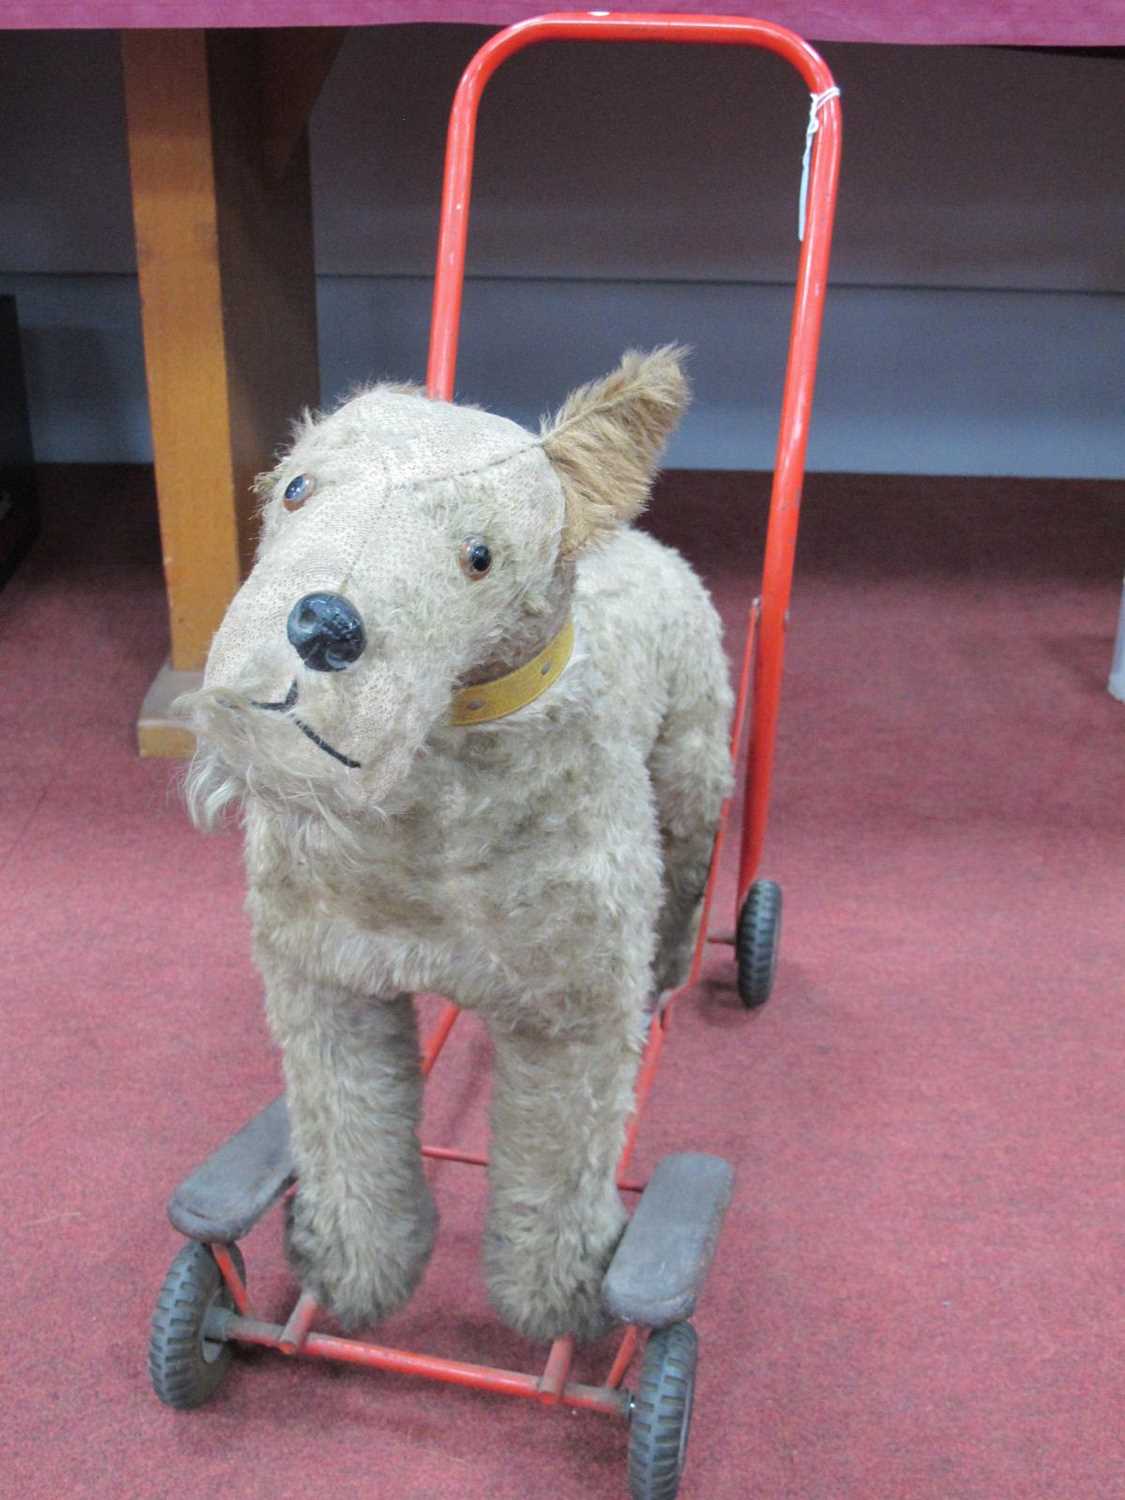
(187, 1369)
(661, 1416)
(759, 938)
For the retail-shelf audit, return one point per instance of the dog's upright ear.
(606, 442)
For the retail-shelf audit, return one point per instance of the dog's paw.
(545, 1280)
(672, 968)
(675, 950)
(359, 1267)
(545, 1314)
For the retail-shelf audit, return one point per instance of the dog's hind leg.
(362, 1224)
(691, 773)
(559, 1109)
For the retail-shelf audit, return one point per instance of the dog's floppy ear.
(606, 442)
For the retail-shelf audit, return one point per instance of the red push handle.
(804, 338)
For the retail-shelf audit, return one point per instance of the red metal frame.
(804, 337)
(762, 657)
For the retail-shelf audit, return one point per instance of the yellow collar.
(485, 701)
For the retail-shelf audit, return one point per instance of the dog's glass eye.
(476, 557)
(297, 491)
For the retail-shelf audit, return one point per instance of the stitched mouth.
(288, 702)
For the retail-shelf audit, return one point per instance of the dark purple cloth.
(1024, 22)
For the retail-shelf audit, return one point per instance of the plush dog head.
(406, 546)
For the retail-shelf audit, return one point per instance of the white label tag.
(813, 126)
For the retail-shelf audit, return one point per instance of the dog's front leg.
(559, 1109)
(362, 1224)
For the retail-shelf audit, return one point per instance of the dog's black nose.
(326, 632)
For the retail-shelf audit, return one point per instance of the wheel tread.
(180, 1376)
(759, 934)
(662, 1413)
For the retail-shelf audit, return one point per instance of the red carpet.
(919, 1291)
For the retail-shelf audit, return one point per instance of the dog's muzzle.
(283, 705)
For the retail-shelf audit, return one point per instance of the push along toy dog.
(478, 729)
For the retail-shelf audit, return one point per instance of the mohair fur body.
(544, 869)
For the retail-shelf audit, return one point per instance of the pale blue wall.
(977, 319)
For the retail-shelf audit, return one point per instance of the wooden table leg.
(225, 259)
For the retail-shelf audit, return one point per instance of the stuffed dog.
(477, 726)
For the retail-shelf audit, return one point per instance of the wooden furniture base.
(219, 163)
(159, 733)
